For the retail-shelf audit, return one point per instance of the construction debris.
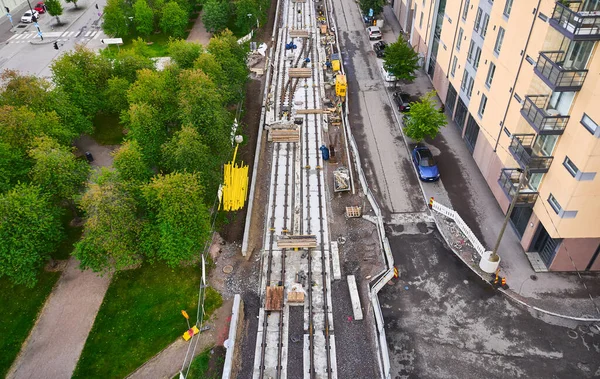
(341, 180)
(297, 242)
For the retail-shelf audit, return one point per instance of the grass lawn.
(207, 365)
(107, 129)
(73, 234)
(20, 307)
(141, 315)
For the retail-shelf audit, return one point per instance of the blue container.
(324, 152)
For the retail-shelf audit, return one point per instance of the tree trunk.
(57, 20)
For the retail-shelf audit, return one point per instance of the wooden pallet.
(284, 135)
(299, 33)
(353, 212)
(297, 242)
(301, 72)
(295, 297)
(274, 301)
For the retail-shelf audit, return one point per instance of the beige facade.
(522, 79)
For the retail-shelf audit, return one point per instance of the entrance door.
(471, 133)
(519, 219)
(450, 100)
(545, 245)
(461, 114)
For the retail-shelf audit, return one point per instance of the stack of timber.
(274, 301)
(296, 294)
(300, 72)
(284, 135)
(299, 33)
(297, 242)
(312, 111)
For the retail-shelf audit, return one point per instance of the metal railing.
(550, 68)
(509, 181)
(534, 111)
(521, 148)
(575, 24)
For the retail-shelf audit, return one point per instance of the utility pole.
(494, 257)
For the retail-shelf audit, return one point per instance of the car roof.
(374, 28)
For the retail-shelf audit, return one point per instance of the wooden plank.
(299, 33)
(295, 297)
(300, 242)
(274, 301)
(301, 72)
(312, 111)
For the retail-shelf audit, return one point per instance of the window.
(470, 53)
(470, 87)
(490, 75)
(465, 10)
(570, 166)
(508, 7)
(421, 21)
(499, 40)
(530, 60)
(590, 125)
(477, 20)
(459, 39)
(477, 56)
(482, 105)
(415, 14)
(554, 204)
(486, 21)
(454, 61)
(463, 82)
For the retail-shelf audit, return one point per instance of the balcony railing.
(575, 24)
(509, 182)
(550, 69)
(522, 148)
(542, 119)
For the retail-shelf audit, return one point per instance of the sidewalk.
(562, 293)
(199, 33)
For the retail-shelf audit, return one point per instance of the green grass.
(200, 367)
(73, 234)
(107, 129)
(20, 307)
(141, 315)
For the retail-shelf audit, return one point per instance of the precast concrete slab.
(335, 260)
(354, 298)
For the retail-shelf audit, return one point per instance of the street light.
(257, 23)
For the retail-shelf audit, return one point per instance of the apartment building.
(521, 80)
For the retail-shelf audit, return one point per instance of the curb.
(56, 39)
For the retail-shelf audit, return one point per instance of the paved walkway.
(199, 33)
(562, 293)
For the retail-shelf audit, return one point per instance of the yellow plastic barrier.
(235, 187)
(191, 332)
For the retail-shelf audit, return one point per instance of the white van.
(386, 75)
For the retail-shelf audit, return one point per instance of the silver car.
(28, 16)
(374, 32)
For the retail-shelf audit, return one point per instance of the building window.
(470, 53)
(463, 82)
(490, 75)
(459, 40)
(470, 87)
(486, 21)
(570, 166)
(421, 21)
(554, 204)
(454, 61)
(499, 40)
(477, 56)
(508, 7)
(465, 10)
(590, 125)
(477, 19)
(482, 105)
(415, 14)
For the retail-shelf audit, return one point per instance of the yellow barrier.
(235, 187)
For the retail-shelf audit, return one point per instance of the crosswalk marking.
(64, 36)
(88, 33)
(97, 35)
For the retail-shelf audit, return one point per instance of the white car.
(374, 32)
(28, 16)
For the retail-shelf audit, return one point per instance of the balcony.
(550, 69)
(509, 182)
(543, 119)
(527, 154)
(575, 24)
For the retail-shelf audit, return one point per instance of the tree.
(30, 229)
(130, 164)
(174, 20)
(215, 15)
(115, 22)
(178, 215)
(159, 90)
(376, 5)
(145, 127)
(72, 1)
(14, 167)
(232, 58)
(143, 17)
(18, 127)
(111, 233)
(246, 14)
(116, 95)
(424, 120)
(401, 60)
(128, 62)
(54, 8)
(184, 53)
(56, 170)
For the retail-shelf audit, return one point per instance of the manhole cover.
(228, 269)
(533, 277)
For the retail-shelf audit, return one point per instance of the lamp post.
(257, 23)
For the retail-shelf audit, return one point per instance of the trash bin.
(89, 156)
(324, 152)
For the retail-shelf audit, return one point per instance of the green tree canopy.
(111, 233)
(174, 20)
(184, 53)
(180, 220)
(143, 17)
(56, 170)
(130, 164)
(30, 229)
(215, 15)
(425, 119)
(72, 1)
(128, 62)
(376, 5)
(158, 89)
(18, 127)
(116, 95)
(401, 60)
(243, 8)
(54, 9)
(232, 58)
(14, 166)
(115, 23)
(145, 127)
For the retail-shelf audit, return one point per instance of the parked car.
(379, 48)
(28, 16)
(402, 101)
(425, 164)
(368, 20)
(40, 7)
(387, 76)
(374, 33)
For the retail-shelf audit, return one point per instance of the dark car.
(369, 20)
(402, 101)
(425, 164)
(379, 48)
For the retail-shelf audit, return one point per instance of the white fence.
(464, 228)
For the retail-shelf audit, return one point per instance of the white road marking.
(88, 33)
(97, 35)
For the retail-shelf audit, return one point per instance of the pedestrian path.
(82, 36)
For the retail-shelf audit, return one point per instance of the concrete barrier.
(232, 357)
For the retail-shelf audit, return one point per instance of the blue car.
(425, 164)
